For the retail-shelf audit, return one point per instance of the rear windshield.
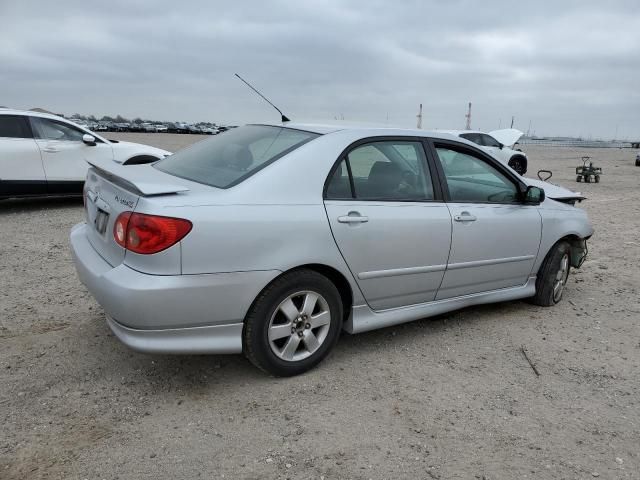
(228, 158)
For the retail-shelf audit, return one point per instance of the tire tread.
(545, 277)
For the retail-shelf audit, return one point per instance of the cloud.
(568, 68)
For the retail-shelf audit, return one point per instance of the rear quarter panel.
(234, 238)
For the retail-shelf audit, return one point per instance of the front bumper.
(169, 313)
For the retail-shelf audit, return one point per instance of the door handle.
(51, 150)
(465, 217)
(353, 217)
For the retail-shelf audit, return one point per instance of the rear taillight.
(148, 234)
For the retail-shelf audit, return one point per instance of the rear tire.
(293, 324)
(579, 178)
(553, 275)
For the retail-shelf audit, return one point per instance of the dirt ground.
(448, 397)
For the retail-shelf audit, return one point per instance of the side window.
(471, 179)
(55, 130)
(489, 141)
(389, 170)
(339, 187)
(14, 126)
(472, 137)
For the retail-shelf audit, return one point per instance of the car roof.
(365, 130)
(459, 132)
(30, 113)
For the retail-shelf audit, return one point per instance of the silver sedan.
(272, 239)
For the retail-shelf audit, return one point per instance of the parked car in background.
(177, 127)
(638, 159)
(159, 128)
(500, 144)
(43, 154)
(271, 239)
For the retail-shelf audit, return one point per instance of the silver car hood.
(553, 191)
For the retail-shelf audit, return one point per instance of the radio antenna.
(282, 115)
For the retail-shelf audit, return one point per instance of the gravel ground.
(441, 398)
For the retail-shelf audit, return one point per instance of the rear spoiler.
(142, 180)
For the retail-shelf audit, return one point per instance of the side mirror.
(89, 140)
(500, 146)
(534, 195)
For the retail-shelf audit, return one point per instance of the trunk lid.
(111, 189)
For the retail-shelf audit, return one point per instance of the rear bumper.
(169, 313)
(194, 340)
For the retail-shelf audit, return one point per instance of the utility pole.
(468, 117)
(512, 119)
(419, 116)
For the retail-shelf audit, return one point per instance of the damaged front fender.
(579, 251)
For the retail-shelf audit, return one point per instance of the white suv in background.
(42, 154)
(499, 144)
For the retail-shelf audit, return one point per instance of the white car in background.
(42, 154)
(499, 144)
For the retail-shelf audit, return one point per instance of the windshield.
(228, 158)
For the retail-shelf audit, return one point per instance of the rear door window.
(14, 126)
(386, 170)
(229, 158)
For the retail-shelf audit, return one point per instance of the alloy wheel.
(561, 278)
(299, 326)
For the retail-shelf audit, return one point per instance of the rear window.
(230, 157)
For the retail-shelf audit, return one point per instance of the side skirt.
(363, 319)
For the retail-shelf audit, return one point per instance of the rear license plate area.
(101, 220)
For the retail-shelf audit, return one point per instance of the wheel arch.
(522, 158)
(141, 159)
(335, 276)
(578, 249)
(341, 283)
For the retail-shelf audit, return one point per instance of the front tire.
(553, 275)
(293, 324)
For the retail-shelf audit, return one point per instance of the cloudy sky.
(568, 67)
